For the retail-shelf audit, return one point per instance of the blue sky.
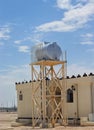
(24, 23)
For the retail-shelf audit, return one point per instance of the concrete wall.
(25, 105)
(82, 98)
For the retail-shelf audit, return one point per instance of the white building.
(79, 100)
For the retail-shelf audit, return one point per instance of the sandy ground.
(6, 119)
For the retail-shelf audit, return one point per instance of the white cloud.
(35, 38)
(75, 69)
(57, 26)
(21, 41)
(63, 4)
(4, 33)
(23, 49)
(87, 38)
(76, 17)
(79, 15)
(18, 41)
(88, 35)
(87, 43)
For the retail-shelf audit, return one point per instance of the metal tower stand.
(49, 93)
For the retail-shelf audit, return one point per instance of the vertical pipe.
(91, 98)
(64, 71)
(63, 95)
(43, 94)
(41, 90)
(32, 96)
(77, 102)
(52, 96)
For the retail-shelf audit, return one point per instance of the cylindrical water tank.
(48, 52)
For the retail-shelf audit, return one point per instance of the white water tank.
(48, 52)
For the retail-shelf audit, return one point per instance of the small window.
(69, 95)
(20, 96)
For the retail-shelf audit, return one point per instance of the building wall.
(84, 95)
(83, 99)
(92, 96)
(24, 105)
(82, 104)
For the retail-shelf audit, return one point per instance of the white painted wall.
(83, 97)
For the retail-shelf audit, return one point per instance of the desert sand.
(7, 118)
